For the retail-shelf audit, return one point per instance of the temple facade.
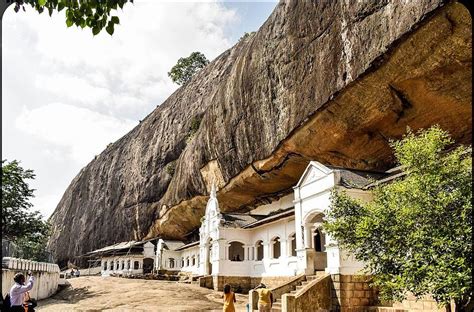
(275, 241)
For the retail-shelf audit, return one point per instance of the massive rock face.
(325, 80)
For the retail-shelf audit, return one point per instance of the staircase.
(277, 304)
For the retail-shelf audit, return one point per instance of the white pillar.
(266, 250)
(284, 248)
(307, 236)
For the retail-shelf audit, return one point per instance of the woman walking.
(229, 299)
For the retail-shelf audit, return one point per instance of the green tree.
(415, 235)
(20, 225)
(186, 67)
(95, 14)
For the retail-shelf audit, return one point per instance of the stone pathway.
(94, 293)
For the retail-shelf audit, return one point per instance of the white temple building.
(281, 239)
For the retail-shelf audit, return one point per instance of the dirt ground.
(94, 293)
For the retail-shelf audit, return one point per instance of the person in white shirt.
(18, 290)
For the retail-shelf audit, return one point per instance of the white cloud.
(67, 94)
(84, 132)
(74, 88)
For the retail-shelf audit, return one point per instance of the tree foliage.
(415, 235)
(186, 67)
(94, 14)
(20, 225)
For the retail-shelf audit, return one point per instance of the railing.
(26, 265)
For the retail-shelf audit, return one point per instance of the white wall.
(283, 203)
(189, 253)
(46, 276)
(122, 259)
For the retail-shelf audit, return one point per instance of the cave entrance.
(147, 265)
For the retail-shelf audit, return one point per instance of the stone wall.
(315, 296)
(206, 281)
(352, 292)
(46, 276)
(426, 303)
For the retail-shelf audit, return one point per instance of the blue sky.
(66, 94)
(253, 15)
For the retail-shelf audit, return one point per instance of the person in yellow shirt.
(229, 299)
(265, 298)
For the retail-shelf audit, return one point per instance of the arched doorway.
(318, 240)
(315, 240)
(236, 251)
(259, 247)
(292, 245)
(147, 265)
(275, 247)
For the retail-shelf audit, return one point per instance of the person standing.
(229, 299)
(265, 298)
(18, 290)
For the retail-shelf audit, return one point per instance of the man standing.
(265, 298)
(18, 290)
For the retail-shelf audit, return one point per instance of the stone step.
(278, 301)
(276, 308)
(299, 287)
(293, 292)
(304, 283)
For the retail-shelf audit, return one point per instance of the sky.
(67, 94)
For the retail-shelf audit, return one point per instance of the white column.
(246, 253)
(307, 236)
(333, 256)
(266, 250)
(284, 248)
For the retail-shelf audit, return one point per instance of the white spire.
(213, 190)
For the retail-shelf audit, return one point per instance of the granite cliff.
(323, 80)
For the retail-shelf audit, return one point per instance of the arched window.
(293, 244)
(111, 265)
(182, 262)
(193, 261)
(171, 260)
(276, 247)
(318, 241)
(236, 251)
(128, 265)
(259, 246)
(123, 264)
(187, 261)
(136, 265)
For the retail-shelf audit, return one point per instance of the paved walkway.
(93, 293)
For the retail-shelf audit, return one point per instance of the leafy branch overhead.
(186, 67)
(94, 14)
